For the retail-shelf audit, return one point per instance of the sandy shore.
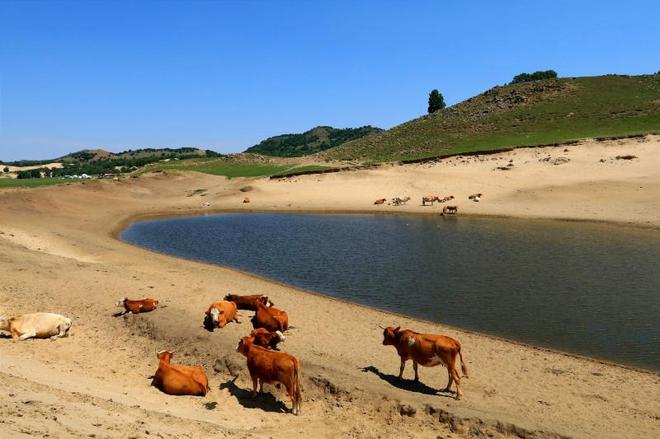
(59, 254)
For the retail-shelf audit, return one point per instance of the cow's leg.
(451, 379)
(27, 335)
(255, 382)
(403, 365)
(457, 378)
(261, 386)
(415, 369)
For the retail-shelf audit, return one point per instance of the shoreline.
(115, 234)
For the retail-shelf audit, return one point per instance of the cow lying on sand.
(264, 338)
(428, 350)
(175, 379)
(270, 367)
(219, 314)
(247, 302)
(475, 197)
(270, 318)
(380, 201)
(137, 306)
(37, 325)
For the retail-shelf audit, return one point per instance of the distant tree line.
(309, 142)
(85, 164)
(536, 76)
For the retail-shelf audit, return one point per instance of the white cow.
(38, 325)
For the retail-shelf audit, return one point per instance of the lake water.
(583, 288)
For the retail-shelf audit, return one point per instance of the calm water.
(590, 289)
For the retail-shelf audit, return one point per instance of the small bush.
(536, 76)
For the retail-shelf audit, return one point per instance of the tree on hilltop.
(436, 101)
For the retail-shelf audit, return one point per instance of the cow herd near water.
(265, 363)
(428, 200)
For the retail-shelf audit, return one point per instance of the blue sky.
(224, 75)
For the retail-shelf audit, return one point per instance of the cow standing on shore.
(428, 350)
(266, 366)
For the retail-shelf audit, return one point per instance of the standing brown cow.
(270, 367)
(428, 350)
(176, 379)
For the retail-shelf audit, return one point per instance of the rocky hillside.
(529, 113)
(310, 142)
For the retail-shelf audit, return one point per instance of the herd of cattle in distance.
(429, 200)
(265, 363)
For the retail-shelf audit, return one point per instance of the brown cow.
(450, 210)
(175, 379)
(475, 197)
(264, 338)
(247, 302)
(445, 199)
(380, 201)
(270, 367)
(137, 306)
(271, 318)
(428, 350)
(430, 199)
(219, 314)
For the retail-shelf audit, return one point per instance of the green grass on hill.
(227, 168)
(30, 182)
(532, 113)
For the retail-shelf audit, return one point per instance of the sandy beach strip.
(60, 253)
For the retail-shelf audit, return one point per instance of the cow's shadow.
(264, 401)
(403, 384)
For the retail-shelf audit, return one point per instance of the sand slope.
(58, 254)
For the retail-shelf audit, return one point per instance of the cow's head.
(218, 317)
(230, 297)
(390, 335)
(267, 302)
(121, 301)
(244, 345)
(165, 356)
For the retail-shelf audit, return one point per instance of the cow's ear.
(397, 329)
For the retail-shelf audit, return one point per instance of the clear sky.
(224, 75)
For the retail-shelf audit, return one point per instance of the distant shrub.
(436, 101)
(32, 173)
(536, 76)
(5, 169)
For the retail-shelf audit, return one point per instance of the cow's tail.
(297, 390)
(463, 365)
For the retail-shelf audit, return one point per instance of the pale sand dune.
(82, 269)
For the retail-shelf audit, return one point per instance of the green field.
(534, 113)
(30, 182)
(231, 168)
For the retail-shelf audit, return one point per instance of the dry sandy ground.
(58, 253)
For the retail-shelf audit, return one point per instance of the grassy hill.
(312, 141)
(530, 113)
